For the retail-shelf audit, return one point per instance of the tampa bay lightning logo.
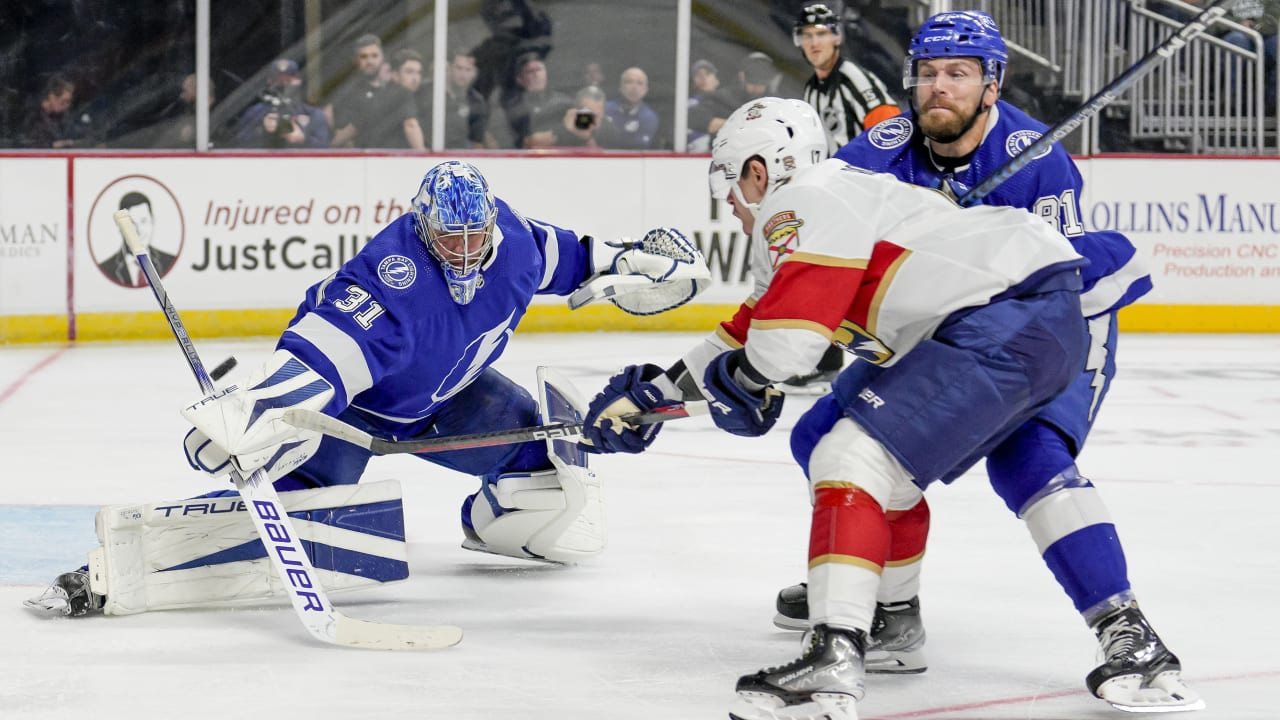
(397, 271)
(891, 133)
(1021, 140)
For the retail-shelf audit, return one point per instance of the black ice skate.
(68, 595)
(897, 632)
(816, 383)
(823, 684)
(1138, 674)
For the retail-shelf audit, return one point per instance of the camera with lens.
(584, 118)
(284, 109)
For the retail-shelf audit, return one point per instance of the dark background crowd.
(522, 74)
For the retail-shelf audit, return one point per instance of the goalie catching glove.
(241, 426)
(660, 272)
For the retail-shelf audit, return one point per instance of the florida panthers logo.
(782, 232)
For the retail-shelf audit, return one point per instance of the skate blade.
(50, 602)
(782, 622)
(896, 662)
(823, 706)
(1165, 693)
(813, 389)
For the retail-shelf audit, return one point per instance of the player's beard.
(949, 127)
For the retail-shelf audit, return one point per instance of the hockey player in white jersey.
(399, 342)
(963, 322)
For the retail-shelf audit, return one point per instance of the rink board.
(248, 233)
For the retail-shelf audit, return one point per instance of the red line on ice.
(13, 387)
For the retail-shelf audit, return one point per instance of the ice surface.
(704, 529)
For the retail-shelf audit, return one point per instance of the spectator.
(466, 119)
(593, 74)
(281, 118)
(1262, 16)
(637, 121)
(535, 112)
(406, 82)
(179, 117)
(48, 123)
(517, 30)
(757, 77)
(709, 105)
(363, 112)
(585, 124)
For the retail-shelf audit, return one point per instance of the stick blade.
(385, 636)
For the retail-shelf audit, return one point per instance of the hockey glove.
(241, 426)
(661, 271)
(735, 409)
(638, 388)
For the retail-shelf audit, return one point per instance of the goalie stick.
(281, 540)
(333, 427)
(1100, 100)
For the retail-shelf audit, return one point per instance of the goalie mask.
(785, 134)
(454, 212)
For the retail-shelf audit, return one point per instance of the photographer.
(280, 118)
(586, 124)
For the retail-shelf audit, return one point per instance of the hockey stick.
(283, 544)
(1101, 99)
(333, 427)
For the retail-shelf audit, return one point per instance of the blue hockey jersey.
(1049, 186)
(385, 332)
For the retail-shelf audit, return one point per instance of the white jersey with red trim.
(875, 265)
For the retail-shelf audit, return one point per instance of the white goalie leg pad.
(555, 515)
(205, 552)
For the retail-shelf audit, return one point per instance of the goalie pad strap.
(205, 552)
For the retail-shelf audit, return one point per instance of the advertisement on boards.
(254, 232)
(33, 236)
(1207, 228)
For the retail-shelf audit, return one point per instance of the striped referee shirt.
(849, 101)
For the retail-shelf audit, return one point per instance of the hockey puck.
(223, 368)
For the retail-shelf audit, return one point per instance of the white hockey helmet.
(785, 134)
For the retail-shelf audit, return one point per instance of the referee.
(847, 98)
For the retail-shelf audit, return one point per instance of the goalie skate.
(68, 595)
(823, 684)
(1138, 674)
(896, 644)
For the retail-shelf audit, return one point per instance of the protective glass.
(721, 178)
(814, 33)
(955, 73)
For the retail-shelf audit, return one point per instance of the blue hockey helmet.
(963, 33)
(454, 212)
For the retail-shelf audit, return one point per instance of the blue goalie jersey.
(385, 332)
(1050, 187)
